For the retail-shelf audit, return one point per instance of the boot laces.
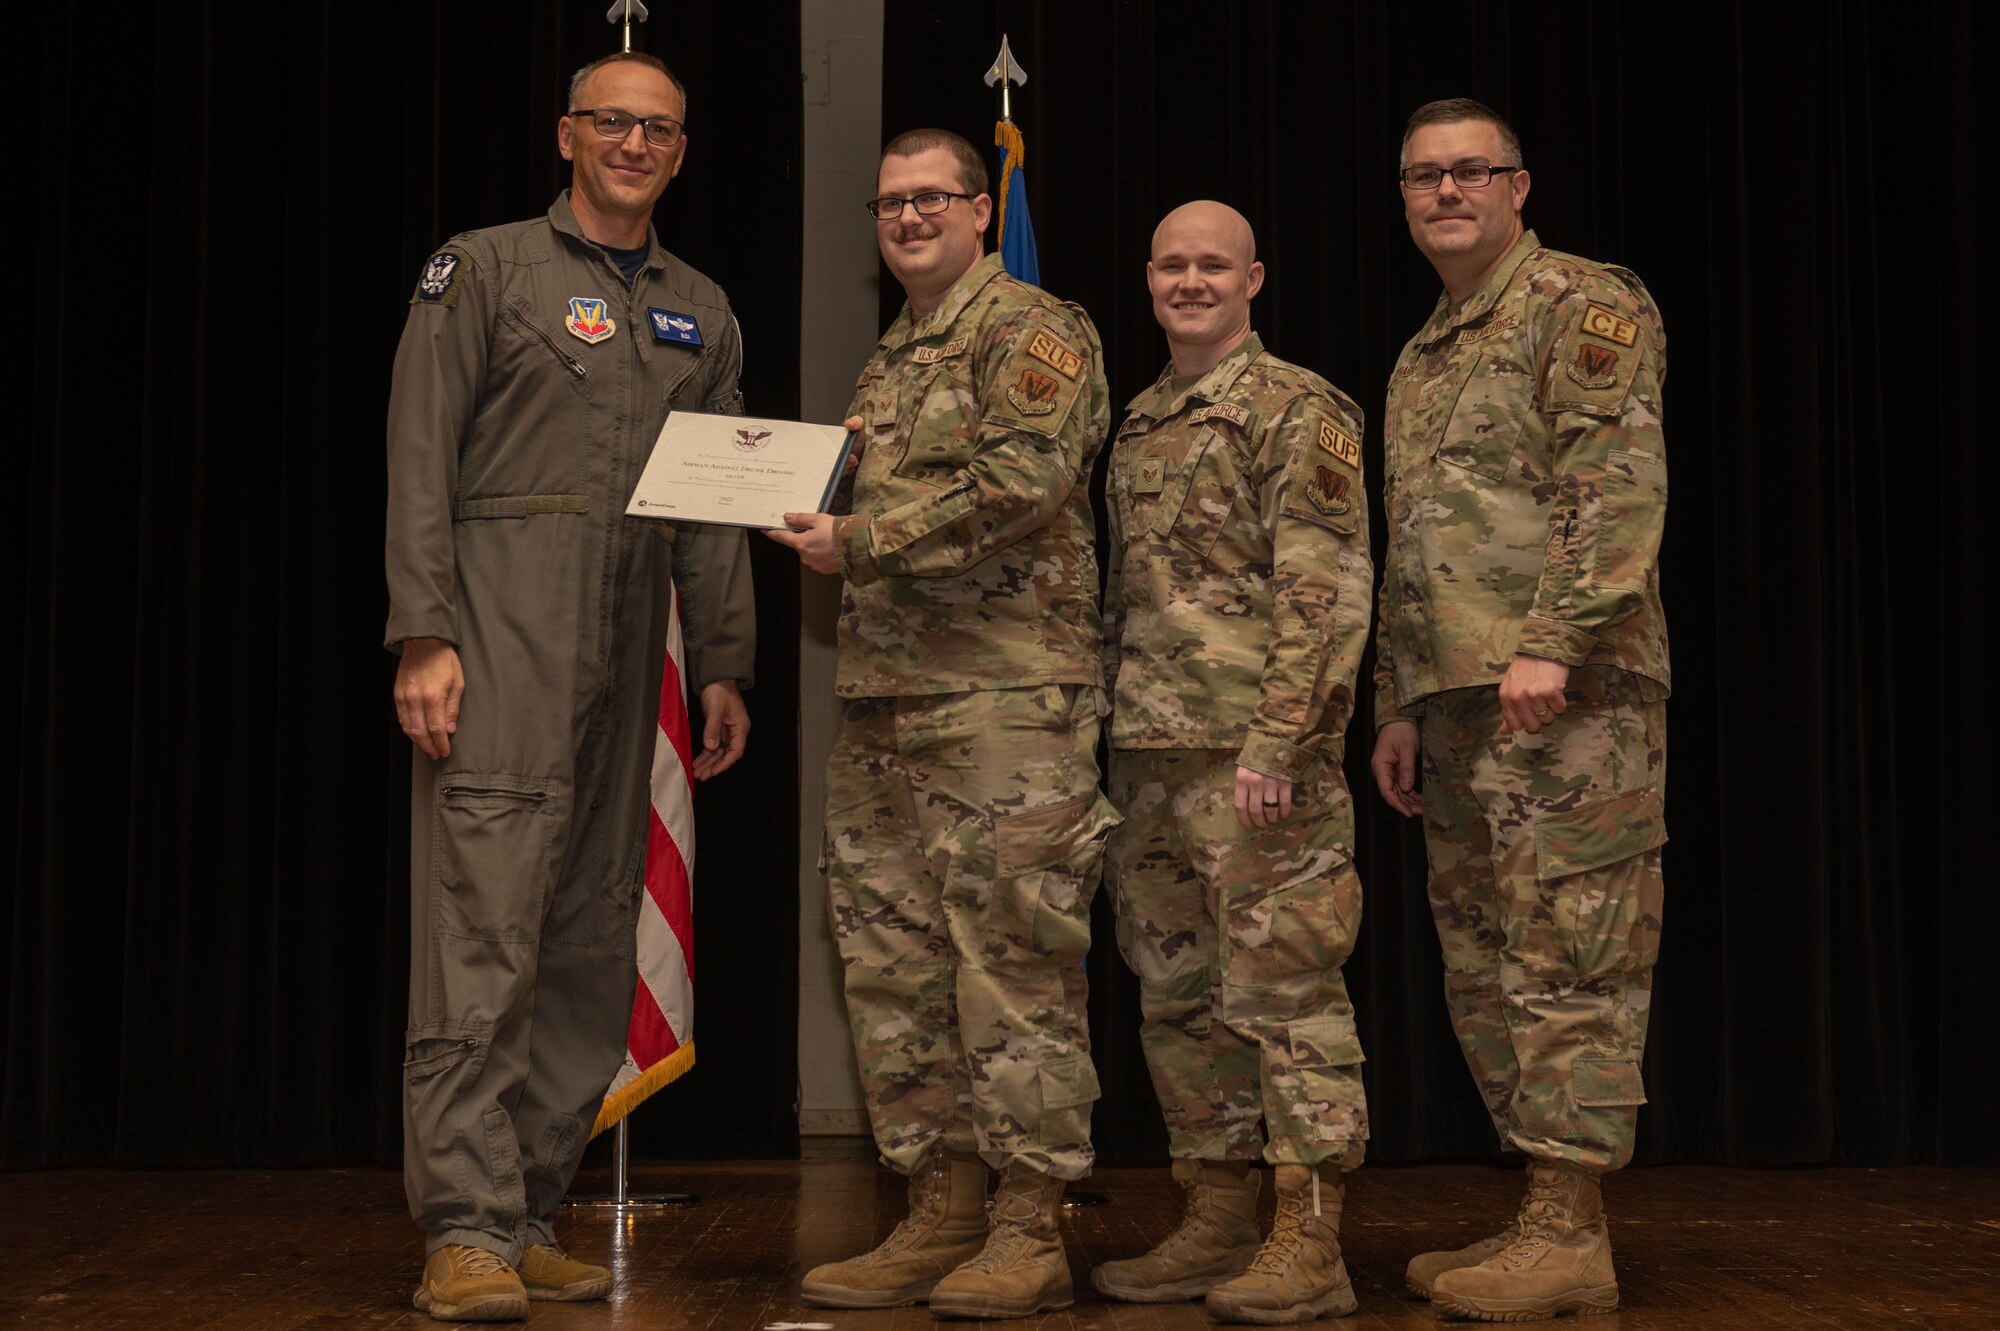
(1288, 1236)
(480, 1262)
(1536, 1232)
(926, 1205)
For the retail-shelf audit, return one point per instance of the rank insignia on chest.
(1045, 348)
(439, 271)
(589, 319)
(1033, 394)
(673, 326)
(1593, 366)
(1149, 477)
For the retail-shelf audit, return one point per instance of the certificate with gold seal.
(739, 471)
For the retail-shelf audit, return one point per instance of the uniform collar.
(1445, 321)
(1161, 401)
(908, 329)
(563, 218)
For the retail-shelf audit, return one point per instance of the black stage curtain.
(206, 909)
(205, 948)
(1797, 186)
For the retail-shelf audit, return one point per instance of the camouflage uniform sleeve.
(1312, 504)
(1601, 395)
(712, 564)
(1385, 666)
(440, 365)
(1043, 406)
(1114, 598)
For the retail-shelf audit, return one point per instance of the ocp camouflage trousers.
(1237, 937)
(965, 835)
(1546, 888)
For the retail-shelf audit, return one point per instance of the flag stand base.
(621, 1198)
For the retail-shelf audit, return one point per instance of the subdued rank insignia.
(440, 271)
(1337, 443)
(673, 326)
(932, 355)
(1228, 411)
(1044, 347)
(1593, 366)
(1149, 477)
(589, 319)
(1033, 394)
(1606, 324)
(1328, 491)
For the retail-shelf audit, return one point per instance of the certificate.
(739, 471)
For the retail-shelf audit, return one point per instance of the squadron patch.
(1033, 394)
(1593, 366)
(438, 283)
(932, 355)
(672, 326)
(1339, 444)
(1327, 491)
(1607, 324)
(1149, 477)
(1228, 411)
(1044, 347)
(589, 319)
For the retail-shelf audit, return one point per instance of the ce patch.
(673, 326)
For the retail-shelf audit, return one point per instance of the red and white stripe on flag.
(659, 1046)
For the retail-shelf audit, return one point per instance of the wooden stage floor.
(322, 1248)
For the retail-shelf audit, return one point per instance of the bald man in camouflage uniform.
(965, 829)
(1236, 612)
(1522, 661)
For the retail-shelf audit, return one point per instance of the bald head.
(1213, 225)
(1203, 272)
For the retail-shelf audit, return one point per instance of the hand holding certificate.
(739, 471)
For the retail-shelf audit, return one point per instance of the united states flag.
(659, 1046)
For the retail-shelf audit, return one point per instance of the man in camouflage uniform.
(964, 826)
(1522, 659)
(530, 615)
(1235, 615)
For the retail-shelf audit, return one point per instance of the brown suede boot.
(1297, 1275)
(465, 1284)
(945, 1226)
(550, 1273)
(1022, 1270)
(1216, 1239)
(1558, 1262)
(1426, 1267)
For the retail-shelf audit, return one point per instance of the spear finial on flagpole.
(623, 12)
(1006, 73)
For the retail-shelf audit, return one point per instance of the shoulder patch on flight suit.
(439, 282)
(1596, 363)
(1228, 411)
(1031, 395)
(1325, 485)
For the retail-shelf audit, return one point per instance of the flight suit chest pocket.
(531, 341)
(938, 422)
(1201, 493)
(1494, 396)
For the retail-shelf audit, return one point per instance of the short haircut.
(577, 79)
(972, 177)
(1454, 109)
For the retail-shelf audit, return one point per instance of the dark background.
(205, 943)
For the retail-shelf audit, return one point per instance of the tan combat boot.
(1558, 1262)
(550, 1273)
(1022, 1269)
(1426, 1267)
(946, 1224)
(1216, 1239)
(1297, 1275)
(465, 1284)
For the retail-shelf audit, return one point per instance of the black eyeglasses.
(1469, 175)
(614, 123)
(928, 204)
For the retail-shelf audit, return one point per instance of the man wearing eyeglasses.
(531, 619)
(1235, 616)
(964, 825)
(1522, 665)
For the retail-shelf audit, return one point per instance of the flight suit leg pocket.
(495, 834)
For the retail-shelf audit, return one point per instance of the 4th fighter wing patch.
(1325, 484)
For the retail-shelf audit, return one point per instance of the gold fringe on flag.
(628, 1097)
(1007, 138)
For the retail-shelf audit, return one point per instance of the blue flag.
(1017, 229)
